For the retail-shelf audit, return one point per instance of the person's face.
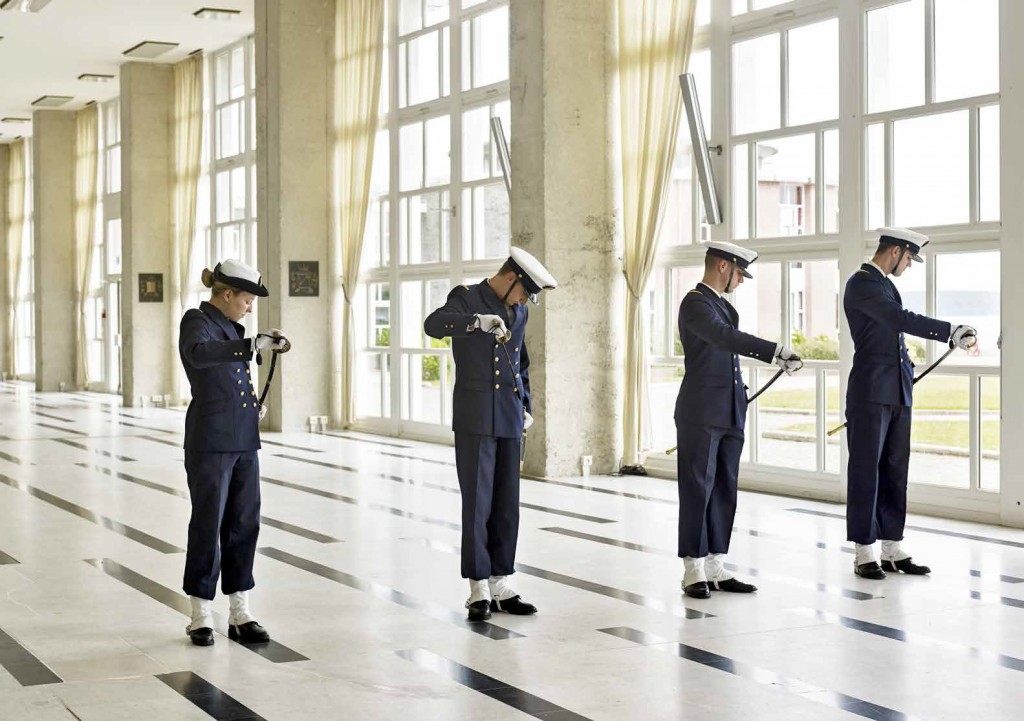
(238, 304)
(731, 275)
(902, 262)
(518, 296)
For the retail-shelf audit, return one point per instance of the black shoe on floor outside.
(907, 566)
(515, 605)
(733, 585)
(250, 632)
(870, 570)
(200, 636)
(479, 610)
(697, 590)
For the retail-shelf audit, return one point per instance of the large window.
(108, 253)
(439, 211)
(24, 294)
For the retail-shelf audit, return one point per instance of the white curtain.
(87, 122)
(654, 42)
(359, 54)
(15, 233)
(188, 158)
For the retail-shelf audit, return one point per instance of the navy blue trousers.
(708, 471)
(878, 437)
(225, 491)
(488, 469)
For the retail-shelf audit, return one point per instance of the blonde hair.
(216, 287)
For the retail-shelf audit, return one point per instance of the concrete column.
(147, 173)
(5, 220)
(294, 56)
(53, 188)
(1011, 160)
(563, 211)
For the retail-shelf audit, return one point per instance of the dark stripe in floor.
(391, 595)
(111, 525)
(175, 444)
(208, 697)
(265, 442)
(363, 504)
(789, 580)
(266, 520)
(272, 651)
(762, 676)
(25, 667)
(15, 459)
(922, 529)
(61, 429)
(445, 489)
(98, 451)
(584, 585)
(489, 686)
(53, 416)
(365, 440)
(6, 560)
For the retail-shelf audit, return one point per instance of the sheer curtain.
(188, 159)
(359, 54)
(654, 42)
(15, 233)
(87, 123)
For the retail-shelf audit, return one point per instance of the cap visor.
(746, 273)
(917, 258)
(534, 298)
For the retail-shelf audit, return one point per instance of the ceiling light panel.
(15, 120)
(95, 78)
(217, 13)
(52, 101)
(149, 49)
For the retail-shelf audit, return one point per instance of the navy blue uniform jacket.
(484, 401)
(223, 416)
(882, 370)
(712, 392)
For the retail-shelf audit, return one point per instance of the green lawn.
(934, 393)
(939, 433)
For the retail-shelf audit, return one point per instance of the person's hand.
(964, 337)
(527, 419)
(269, 341)
(788, 361)
(494, 324)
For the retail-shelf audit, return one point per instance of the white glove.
(272, 340)
(788, 361)
(964, 336)
(494, 324)
(527, 419)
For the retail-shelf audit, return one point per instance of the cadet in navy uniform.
(221, 439)
(710, 416)
(879, 396)
(491, 410)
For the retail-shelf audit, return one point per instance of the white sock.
(865, 554)
(891, 551)
(202, 613)
(478, 591)
(714, 567)
(500, 587)
(239, 613)
(693, 570)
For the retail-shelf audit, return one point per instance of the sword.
(270, 375)
(925, 372)
(519, 394)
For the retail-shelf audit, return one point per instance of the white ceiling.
(44, 53)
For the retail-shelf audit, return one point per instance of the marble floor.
(358, 582)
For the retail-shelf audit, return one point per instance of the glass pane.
(759, 302)
(229, 130)
(114, 169)
(677, 224)
(230, 242)
(785, 186)
(485, 222)
(876, 175)
(410, 16)
(761, 4)
(373, 389)
(238, 193)
(223, 180)
(988, 162)
(113, 246)
(960, 298)
(966, 48)
(832, 419)
(434, 11)
(830, 183)
(990, 410)
(931, 170)
(814, 309)
(423, 56)
(426, 218)
(424, 374)
(895, 56)
(814, 73)
(437, 146)
(237, 72)
(410, 156)
(471, 3)
(739, 7)
(787, 421)
(222, 77)
(940, 435)
(700, 67)
(654, 303)
(476, 143)
(502, 110)
(740, 191)
(490, 47)
(703, 12)
(663, 387)
(756, 86)
(683, 280)
(419, 299)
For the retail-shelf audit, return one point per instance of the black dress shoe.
(515, 605)
(479, 610)
(907, 566)
(697, 590)
(250, 632)
(201, 636)
(870, 570)
(733, 585)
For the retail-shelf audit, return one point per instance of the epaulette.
(458, 291)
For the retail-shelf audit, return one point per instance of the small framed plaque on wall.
(304, 278)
